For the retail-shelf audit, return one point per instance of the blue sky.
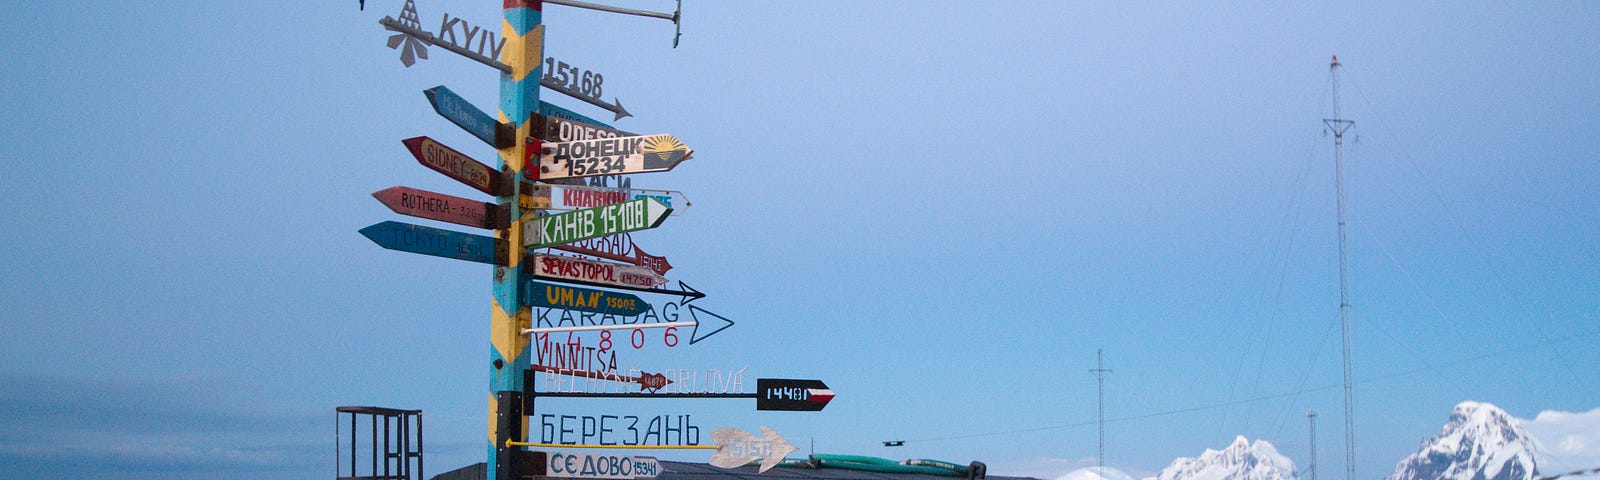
(940, 209)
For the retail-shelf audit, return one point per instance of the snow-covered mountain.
(1096, 473)
(1481, 442)
(1240, 461)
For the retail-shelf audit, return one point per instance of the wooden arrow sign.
(462, 113)
(441, 207)
(736, 448)
(792, 395)
(540, 294)
(633, 215)
(610, 156)
(597, 466)
(406, 237)
(558, 127)
(647, 381)
(573, 197)
(457, 165)
(594, 272)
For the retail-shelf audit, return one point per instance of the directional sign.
(646, 381)
(406, 237)
(629, 216)
(457, 165)
(441, 207)
(737, 448)
(655, 263)
(552, 110)
(572, 197)
(791, 395)
(462, 113)
(540, 294)
(557, 128)
(559, 268)
(610, 156)
(588, 465)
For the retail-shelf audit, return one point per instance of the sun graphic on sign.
(663, 150)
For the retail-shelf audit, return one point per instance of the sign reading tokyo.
(634, 215)
(594, 465)
(609, 156)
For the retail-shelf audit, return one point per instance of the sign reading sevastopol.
(610, 156)
(634, 215)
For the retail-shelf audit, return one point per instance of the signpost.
(792, 395)
(572, 197)
(441, 207)
(610, 156)
(737, 448)
(556, 127)
(589, 465)
(646, 381)
(540, 294)
(629, 216)
(462, 113)
(457, 165)
(772, 394)
(406, 237)
(594, 272)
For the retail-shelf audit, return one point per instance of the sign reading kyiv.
(610, 156)
(633, 215)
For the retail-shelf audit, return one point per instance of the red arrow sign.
(441, 207)
(646, 381)
(457, 165)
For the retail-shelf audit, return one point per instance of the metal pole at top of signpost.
(519, 97)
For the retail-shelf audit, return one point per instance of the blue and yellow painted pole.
(519, 97)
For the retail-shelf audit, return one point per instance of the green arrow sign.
(634, 215)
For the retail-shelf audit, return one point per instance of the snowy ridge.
(1240, 461)
(1481, 442)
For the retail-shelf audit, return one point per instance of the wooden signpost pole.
(509, 353)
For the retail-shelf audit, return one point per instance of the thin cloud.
(1565, 441)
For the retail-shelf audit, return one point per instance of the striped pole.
(519, 97)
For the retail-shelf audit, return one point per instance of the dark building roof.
(700, 471)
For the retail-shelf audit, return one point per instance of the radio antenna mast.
(1339, 126)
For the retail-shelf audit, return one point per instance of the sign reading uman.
(634, 215)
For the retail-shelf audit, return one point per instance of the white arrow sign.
(737, 448)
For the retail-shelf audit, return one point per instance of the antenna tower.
(1339, 126)
(1100, 379)
(1312, 414)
